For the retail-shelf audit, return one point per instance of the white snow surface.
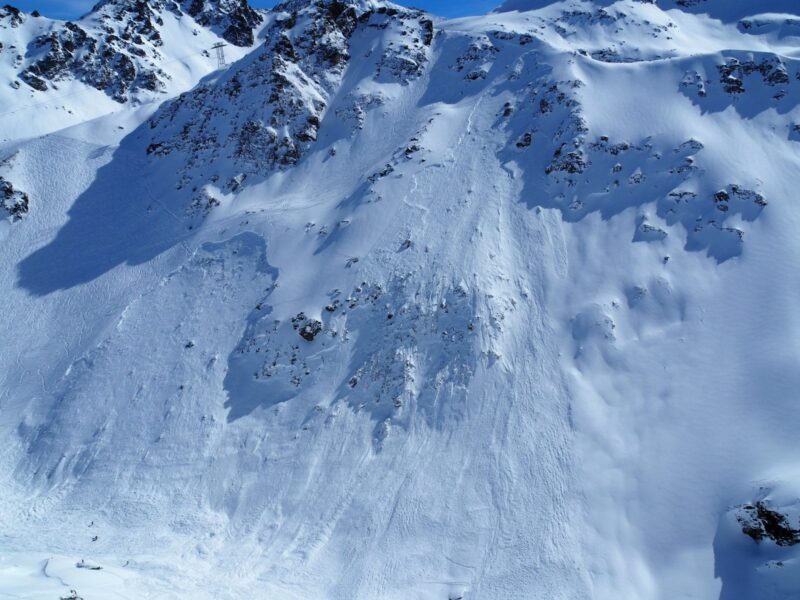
(556, 277)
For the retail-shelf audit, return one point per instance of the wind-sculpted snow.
(402, 307)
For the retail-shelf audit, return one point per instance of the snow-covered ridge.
(234, 20)
(726, 10)
(116, 47)
(267, 109)
(54, 73)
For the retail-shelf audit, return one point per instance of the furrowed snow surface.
(399, 307)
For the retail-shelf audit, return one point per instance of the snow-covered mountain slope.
(726, 10)
(54, 74)
(267, 109)
(496, 307)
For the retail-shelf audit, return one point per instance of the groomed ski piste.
(498, 307)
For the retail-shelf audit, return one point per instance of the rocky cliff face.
(117, 47)
(234, 20)
(266, 111)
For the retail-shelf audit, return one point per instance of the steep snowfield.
(513, 317)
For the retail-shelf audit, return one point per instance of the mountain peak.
(274, 119)
(233, 20)
(118, 47)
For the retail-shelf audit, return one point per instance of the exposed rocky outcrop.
(762, 522)
(735, 72)
(233, 20)
(115, 48)
(13, 201)
(307, 328)
(117, 63)
(12, 15)
(265, 113)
